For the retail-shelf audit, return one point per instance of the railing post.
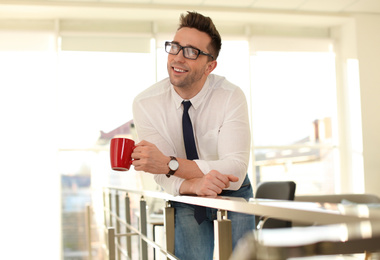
(88, 229)
(105, 216)
(117, 205)
(223, 236)
(111, 244)
(110, 208)
(143, 230)
(169, 227)
(128, 220)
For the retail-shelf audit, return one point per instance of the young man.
(214, 160)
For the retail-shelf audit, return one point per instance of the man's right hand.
(210, 184)
(148, 158)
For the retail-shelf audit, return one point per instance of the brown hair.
(203, 24)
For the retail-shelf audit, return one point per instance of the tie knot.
(186, 105)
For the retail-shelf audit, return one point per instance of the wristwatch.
(173, 166)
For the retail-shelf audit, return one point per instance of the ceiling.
(366, 6)
(322, 12)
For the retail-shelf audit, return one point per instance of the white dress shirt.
(219, 114)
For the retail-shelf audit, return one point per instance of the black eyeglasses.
(188, 52)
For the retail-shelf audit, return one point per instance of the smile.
(179, 70)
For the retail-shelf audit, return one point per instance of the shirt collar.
(196, 100)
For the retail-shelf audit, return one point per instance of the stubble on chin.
(180, 83)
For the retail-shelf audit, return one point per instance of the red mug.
(120, 153)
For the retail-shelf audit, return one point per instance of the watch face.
(173, 165)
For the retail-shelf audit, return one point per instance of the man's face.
(186, 73)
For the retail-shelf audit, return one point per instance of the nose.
(180, 57)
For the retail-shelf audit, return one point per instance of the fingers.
(148, 158)
(232, 178)
(142, 149)
(214, 182)
(225, 179)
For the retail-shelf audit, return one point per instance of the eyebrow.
(186, 45)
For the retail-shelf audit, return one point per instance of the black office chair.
(280, 190)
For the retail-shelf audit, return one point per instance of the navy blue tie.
(191, 152)
(188, 134)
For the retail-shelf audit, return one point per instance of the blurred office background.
(70, 70)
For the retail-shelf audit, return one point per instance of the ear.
(210, 67)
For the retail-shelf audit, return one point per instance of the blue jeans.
(194, 241)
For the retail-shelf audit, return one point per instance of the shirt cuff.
(176, 185)
(203, 166)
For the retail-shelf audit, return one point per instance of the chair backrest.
(280, 190)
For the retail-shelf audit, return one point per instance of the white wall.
(359, 39)
(345, 48)
(368, 50)
(29, 185)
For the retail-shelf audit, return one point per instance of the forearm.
(183, 178)
(148, 158)
(188, 169)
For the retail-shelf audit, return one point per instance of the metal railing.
(119, 230)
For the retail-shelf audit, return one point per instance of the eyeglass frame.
(187, 47)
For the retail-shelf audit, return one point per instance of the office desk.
(348, 238)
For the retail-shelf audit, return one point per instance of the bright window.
(290, 90)
(96, 91)
(294, 119)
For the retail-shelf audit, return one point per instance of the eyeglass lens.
(188, 52)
